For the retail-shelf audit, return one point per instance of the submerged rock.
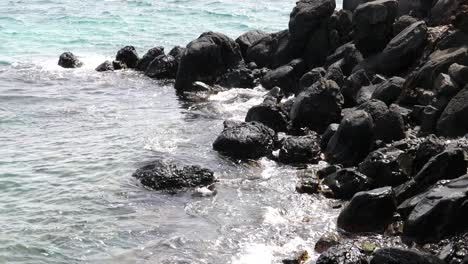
(69, 60)
(167, 176)
(205, 59)
(105, 66)
(370, 211)
(128, 55)
(245, 140)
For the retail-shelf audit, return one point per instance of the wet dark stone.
(69, 60)
(346, 182)
(128, 55)
(300, 149)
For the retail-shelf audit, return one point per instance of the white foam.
(236, 102)
(255, 253)
(273, 216)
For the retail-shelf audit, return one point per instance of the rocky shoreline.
(378, 90)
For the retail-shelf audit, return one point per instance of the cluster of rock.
(378, 89)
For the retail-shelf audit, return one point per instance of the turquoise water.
(71, 138)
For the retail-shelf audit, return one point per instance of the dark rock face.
(206, 58)
(128, 55)
(270, 114)
(403, 256)
(443, 210)
(164, 175)
(162, 67)
(241, 77)
(373, 25)
(272, 51)
(461, 18)
(449, 164)
(459, 73)
(177, 53)
(105, 66)
(442, 11)
(285, 77)
(245, 140)
(370, 211)
(402, 23)
(353, 140)
(328, 134)
(118, 65)
(307, 16)
(317, 106)
(346, 182)
(310, 78)
(340, 255)
(389, 91)
(445, 86)
(383, 167)
(150, 55)
(69, 60)
(247, 39)
(301, 149)
(400, 52)
(351, 5)
(352, 85)
(347, 56)
(453, 121)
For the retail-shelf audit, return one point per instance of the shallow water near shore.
(70, 140)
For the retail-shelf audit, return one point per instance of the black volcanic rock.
(128, 55)
(69, 60)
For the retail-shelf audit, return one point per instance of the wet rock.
(307, 16)
(322, 173)
(424, 151)
(205, 59)
(105, 66)
(300, 149)
(150, 55)
(118, 65)
(311, 77)
(317, 106)
(373, 25)
(453, 122)
(167, 176)
(328, 134)
(449, 164)
(400, 52)
(327, 241)
(241, 77)
(162, 67)
(245, 140)
(128, 55)
(445, 86)
(285, 77)
(353, 84)
(383, 167)
(342, 255)
(335, 74)
(345, 183)
(459, 73)
(247, 39)
(273, 50)
(177, 52)
(308, 182)
(270, 114)
(69, 60)
(402, 256)
(370, 211)
(443, 211)
(389, 90)
(348, 56)
(402, 23)
(353, 140)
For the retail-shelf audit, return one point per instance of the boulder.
(105, 66)
(205, 59)
(128, 55)
(402, 256)
(150, 55)
(342, 255)
(368, 211)
(247, 39)
(461, 17)
(118, 65)
(317, 106)
(400, 52)
(345, 183)
(429, 116)
(307, 16)
(300, 149)
(319, 45)
(383, 167)
(311, 77)
(328, 170)
(308, 182)
(459, 73)
(402, 23)
(328, 134)
(443, 211)
(162, 67)
(351, 5)
(285, 77)
(245, 140)
(347, 56)
(69, 60)
(389, 90)
(240, 77)
(445, 86)
(442, 11)
(274, 50)
(335, 74)
(353, 84)
(373, 25)
(353, 140)
(453, 122)
(447, 165)
(167, 176)
(364, 94)
(270, 114)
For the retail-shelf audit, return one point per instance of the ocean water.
(71, 138)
